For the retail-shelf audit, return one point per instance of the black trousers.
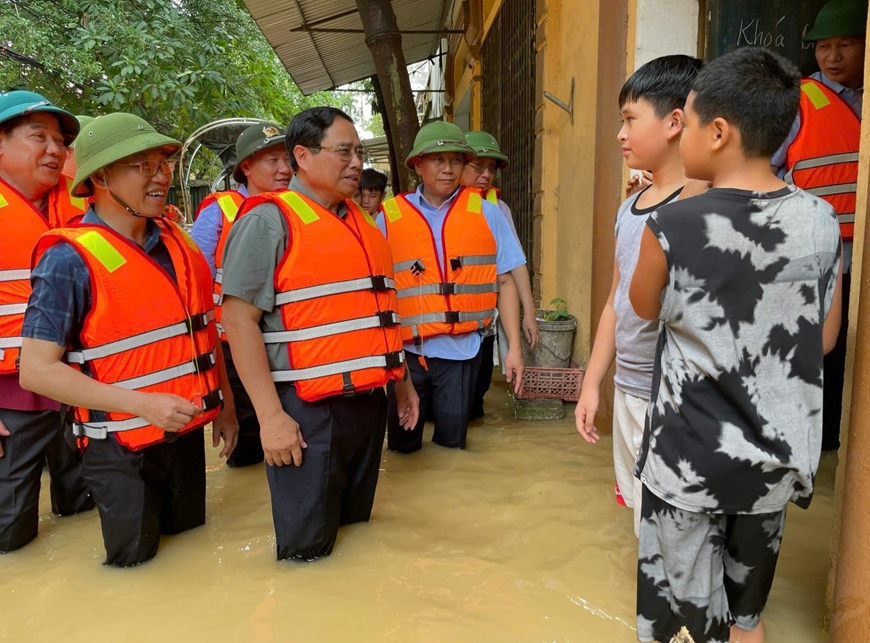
(835, 374)
(249, 449)
(484, 376)
(69, 493)
(142, 494)
(446, 387)
(336, 483)
(34, 437)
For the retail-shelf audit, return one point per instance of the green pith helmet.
(111, 138)
(839, 19)
(255, 138)
(440, 136)
(485, 146)
(20, 102)
(83, 120)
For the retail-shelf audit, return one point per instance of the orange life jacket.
(823, 159)
(492, 195)
(459, 297)
(21, 226)
(144, 332)
(335, 293)
(229, 203)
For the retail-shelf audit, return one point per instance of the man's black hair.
(371, 179)
(755, 90)
(308, 128)
(664, 82)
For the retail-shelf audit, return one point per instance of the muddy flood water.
(516, 539)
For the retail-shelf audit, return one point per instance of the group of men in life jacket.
(107, 307)
(820, 155)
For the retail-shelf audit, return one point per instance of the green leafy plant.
(559, 311)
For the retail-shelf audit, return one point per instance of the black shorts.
(703, 571)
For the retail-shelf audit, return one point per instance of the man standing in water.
(120, 325)
(34, 197)
(480, 173)
(448, 297)
(310, 313)
(820, 155)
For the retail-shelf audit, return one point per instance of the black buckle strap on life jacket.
(379, 283)
(204, 362)
(212, 401)
(197, 323)
(447, 288)
(394, 359)
(388, 318)
(451, 317)
(456, 263)
(348, 389)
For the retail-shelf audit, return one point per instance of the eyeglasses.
(149, 168)
(345, 152)
(480, 168)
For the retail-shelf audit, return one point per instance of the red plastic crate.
(551, 384)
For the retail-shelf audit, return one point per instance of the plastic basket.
(551, 384)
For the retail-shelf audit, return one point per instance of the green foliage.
(178, 64)
(559, 312)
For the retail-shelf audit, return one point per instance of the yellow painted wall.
(568, 159)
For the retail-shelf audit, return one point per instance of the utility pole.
(385, 42)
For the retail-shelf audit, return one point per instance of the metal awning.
(378, 149)
(321, 43)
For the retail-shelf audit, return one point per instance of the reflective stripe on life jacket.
(143, 332)
(823, 159)
(336, 298)
(22, 225)
(457, 295)
(229, 203)
(492, 195)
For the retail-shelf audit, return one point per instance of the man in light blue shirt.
(262, 165)
(444, 361)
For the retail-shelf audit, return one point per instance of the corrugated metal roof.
(319, 61)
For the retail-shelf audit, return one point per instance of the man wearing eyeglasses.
(453, 254)
(310, 313)
(480, 174)
(34, 197)
(262, 165)
(120, 326)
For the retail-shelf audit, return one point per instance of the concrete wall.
(665, 27)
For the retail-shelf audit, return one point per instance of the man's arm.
(44, 372)
(256, 242)
(226, 424)
(603, 354)
(834, 318)
(280, 433)
(524, 289)
(650, 277)
(509, 314)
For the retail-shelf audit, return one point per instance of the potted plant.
(556, 328)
